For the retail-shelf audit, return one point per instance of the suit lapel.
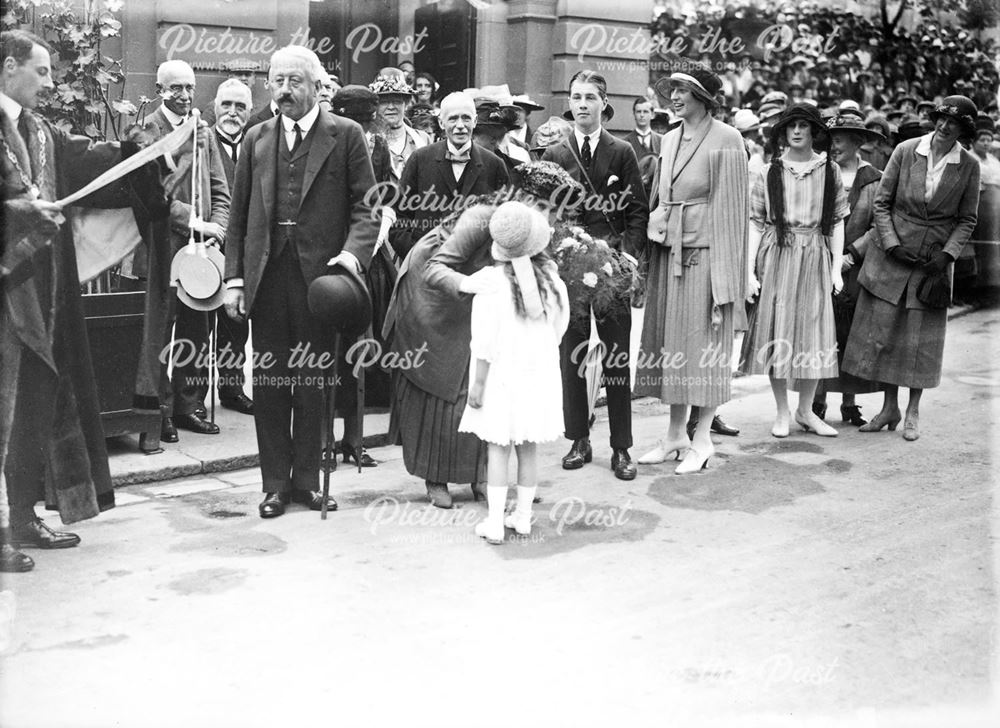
(472, 170)
(684, 156)
(265, 151)
(919, 177)
(445, 174)
(602, 160)
(949, 180)
(323, 142)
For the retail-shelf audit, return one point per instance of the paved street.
(806, 581)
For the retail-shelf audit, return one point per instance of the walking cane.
(361, 404)
(330, 454)
(213, 362)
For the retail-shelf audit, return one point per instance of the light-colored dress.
(794, 336)
(522, 397)
(695, 277)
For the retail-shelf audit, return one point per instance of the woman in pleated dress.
(797, 211)
(696, 277)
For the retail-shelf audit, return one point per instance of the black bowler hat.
(801, 112)
(959, 108)
(340, 300)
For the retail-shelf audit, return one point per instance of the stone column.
(611, 38)
(530, 49)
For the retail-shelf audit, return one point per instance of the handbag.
(934, 291)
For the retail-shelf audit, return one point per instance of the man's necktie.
(585, 154)
(298, 137)
(22, 128)
(457, 158)
(644, 140)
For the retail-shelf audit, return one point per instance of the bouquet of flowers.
(596, 275)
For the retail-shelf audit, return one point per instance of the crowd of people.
(828, 238)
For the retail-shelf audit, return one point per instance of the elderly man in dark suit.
(616, 211)
(299, 205)
(439, 177)
(184, 397)
(232, 107)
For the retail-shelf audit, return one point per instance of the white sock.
(496, 499)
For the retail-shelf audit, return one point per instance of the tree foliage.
(84, 78)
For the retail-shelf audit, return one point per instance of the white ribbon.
(167, 145)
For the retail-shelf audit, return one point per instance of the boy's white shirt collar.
(594, 137)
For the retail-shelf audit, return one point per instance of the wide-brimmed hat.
(490, 114)
(800, 112)
(197, 271)
(746, 121)
(390, 86)
(852, 124)
(355, 102)
(550, 183)
(961, 109)
(525, 102)
(421, 110)
(553, 131)
(696, 77)
(911, 128)
(775, 97)
(518, 231)
(881, 122)
(340, 300)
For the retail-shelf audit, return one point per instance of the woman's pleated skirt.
(687, 350)
(794, 336)
(895, 344)
(427, 428)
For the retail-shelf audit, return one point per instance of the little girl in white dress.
(515, 391)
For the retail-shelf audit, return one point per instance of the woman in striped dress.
(697, 271)
(797, 211)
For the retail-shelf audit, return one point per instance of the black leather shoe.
(819, 409)
(201, 411)
(273, 505)
(13, 561)
(622, 464)
(238, 402)
(351, 455)
(194, 423)
(721, 428)
(313, 499)
(35, 533)
(578, 455)
(852, 413)
(168, 431)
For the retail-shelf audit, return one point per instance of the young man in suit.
(184, 398)
(437, 178)
(299, 206)
(232, 108)
(607, 168)
(643, 139)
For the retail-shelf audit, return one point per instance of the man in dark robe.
(51, 440)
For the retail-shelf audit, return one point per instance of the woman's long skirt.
(896, 343)
(687, 348)
(793, 336)
(427, 428)
(845, 306)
